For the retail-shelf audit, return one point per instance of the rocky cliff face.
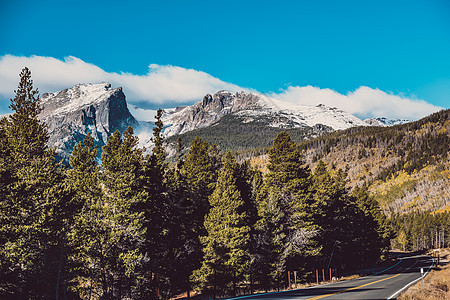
(206, 112)
(251, 107)
(72, 113)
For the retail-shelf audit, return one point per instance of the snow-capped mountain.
(254, 107)
(384, 122)
(72, 113)
(99, 109)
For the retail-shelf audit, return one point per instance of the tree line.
(230, 133)
(418, 231)
(134, 226)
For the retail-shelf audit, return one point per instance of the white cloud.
(171, 84)
(161, 83)
(365, 102)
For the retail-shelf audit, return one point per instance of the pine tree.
(285, 227)
(157, 213)
(35, 205)
(193, 184)
(158, 148)
(350, 235)
(5, 161)
(199, 171)
(124, 240)
(89, 232)
(225, 259)
(375, 234)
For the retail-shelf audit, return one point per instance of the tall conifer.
(196, 180)
(225, 259)
(285, 226)
(157, 213)
(125, 237)
(89, 231)
(35, 203)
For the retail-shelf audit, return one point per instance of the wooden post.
(323, 275)
(289, 280)
(157, 285)
(330, 274)
(317, 276)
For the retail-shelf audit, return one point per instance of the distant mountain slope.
(406, 166)
(232, 120)
(233, 132)
(382, 121)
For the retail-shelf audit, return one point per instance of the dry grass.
(436, 284)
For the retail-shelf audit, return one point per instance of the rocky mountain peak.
(72, 113)
(205, 112)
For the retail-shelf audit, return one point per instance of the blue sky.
(399, 48)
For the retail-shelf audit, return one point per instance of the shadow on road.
(336, 291)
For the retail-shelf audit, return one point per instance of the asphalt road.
(385, 285)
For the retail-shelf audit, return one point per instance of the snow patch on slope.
(312, 115)
(79, 96)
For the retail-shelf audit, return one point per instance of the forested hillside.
(136, 227)
(406, 167)
(232, 134)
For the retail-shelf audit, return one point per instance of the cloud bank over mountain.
(161, 84)
(169, 85)
(365, 102)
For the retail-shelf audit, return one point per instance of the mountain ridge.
(71, 114)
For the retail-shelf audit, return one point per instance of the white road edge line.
(412, 282)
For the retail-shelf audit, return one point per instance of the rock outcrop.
(206, 112)
(72, 113)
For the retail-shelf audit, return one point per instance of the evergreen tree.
(224, 247)
(157, 214)
(331, 206)
(182, 241)
(125, 236)
(350, 234)
(285, 227)
(374, 234)
(158, 148)
(89, 232)
(5, 161)
(35, 205)
(199, 171)
(256, 184)
(194, 183)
